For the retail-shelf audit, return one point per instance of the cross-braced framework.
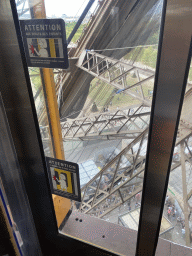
(132, 80)
(135, 80)
(112, 187)
(123, 123)
(22, 7)
(122, 179)
(118, 181)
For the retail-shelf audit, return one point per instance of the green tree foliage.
(35, 77)
(69, 27)
(148, 55)
(154, 39)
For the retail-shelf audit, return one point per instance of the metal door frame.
(21, 113)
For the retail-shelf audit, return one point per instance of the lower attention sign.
(45, 43)
(64, 178)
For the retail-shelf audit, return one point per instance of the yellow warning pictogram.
(64, 181)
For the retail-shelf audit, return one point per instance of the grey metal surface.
(13, 194)
(168, 94)
(113, 238)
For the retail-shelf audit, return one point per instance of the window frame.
(30, 151)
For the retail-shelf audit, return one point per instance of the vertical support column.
(97, 65)
(184, 185)
(141, 89)
(108, 71)
(173, 63)
(62, 205)
(48, 78)
(88, 60)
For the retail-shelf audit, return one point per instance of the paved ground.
(174, 235)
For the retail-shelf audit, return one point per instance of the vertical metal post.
(48, 78)
(62, 205)
(173, 62)
(184, 185)
(77, 25)
(97, 65)
(141, 89)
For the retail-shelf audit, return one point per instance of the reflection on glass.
(178, 204)
(13, 197)
(40, 105)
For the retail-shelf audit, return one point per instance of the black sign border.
(60, 193)
(53, 61)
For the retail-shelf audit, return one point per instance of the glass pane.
(40, 104)
(13, 195)
(104, 101)
(178, 204)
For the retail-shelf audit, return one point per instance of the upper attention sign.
(45, 43)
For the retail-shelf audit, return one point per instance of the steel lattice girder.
(121, 175)
(21, 10)
(99, 66)
(122, 178)
(120, 122)
(115, 72)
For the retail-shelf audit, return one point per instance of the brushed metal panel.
(113, 238)
(170, 81)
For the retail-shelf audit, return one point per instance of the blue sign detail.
(119, 91)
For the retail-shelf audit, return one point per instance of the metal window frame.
(172, 70)
(19, 106)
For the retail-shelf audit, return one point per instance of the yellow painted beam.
(52, 48)
(62, 205)
(48, 77)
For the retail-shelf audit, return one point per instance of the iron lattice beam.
(115, 124)
(114, 176)
(117, 73)
(124, 182)
(118, 124)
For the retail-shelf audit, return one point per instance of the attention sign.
(45, 43)
(64, 178)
